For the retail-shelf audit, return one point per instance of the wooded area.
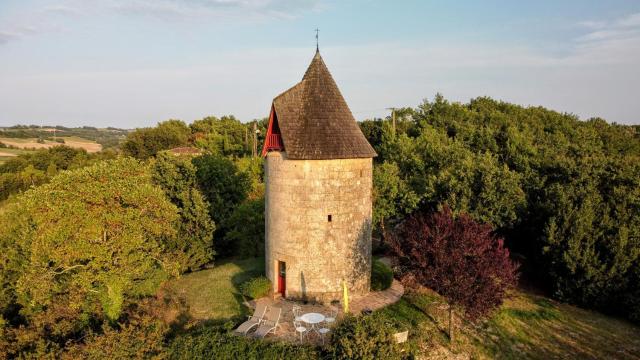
(86, 240)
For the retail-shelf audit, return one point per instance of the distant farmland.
(6, 154)
(90, 138)
(32, 143)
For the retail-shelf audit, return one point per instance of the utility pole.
(246, 138)
(393, 120)
(255, 139)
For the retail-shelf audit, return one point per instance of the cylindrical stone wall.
(318, 222)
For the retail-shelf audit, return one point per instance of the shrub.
(211, 342)
(256, 287)
(365, 337)
(381, 276)
(140, 338)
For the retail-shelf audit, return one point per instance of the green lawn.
(213, 293)
(526, 327)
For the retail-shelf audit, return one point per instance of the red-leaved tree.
(458, 258)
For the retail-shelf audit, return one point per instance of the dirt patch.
(2, 153)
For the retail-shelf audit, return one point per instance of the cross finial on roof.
(317, 47)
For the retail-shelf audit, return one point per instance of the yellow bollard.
(345, 297)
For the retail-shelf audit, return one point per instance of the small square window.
(329, 218)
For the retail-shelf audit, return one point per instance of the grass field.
(213, 293)
(527, 326)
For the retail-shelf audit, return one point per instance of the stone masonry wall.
(319, 254)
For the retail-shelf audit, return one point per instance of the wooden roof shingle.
(315, 121)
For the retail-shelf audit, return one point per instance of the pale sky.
(132, 63)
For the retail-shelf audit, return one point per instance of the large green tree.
(225, 136)
(146, 142)
(223, 185)
(76, 250)
(176, 175)
(245, 229)
(438, 170)
(392, 197)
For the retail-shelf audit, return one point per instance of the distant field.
(71, 141)
(6, 154)
(76, 137)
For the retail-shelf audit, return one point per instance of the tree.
(254, 170)
(245, 229)
(76, 250)
(563, 192)
(222, 184)
(392, 197)
(177, 177)
(146, 142)
(458, 258)
(38, 167)
(442, 170)
(225, 136)
(591, 242)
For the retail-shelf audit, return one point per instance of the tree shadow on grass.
(249, 269)
(183, 311)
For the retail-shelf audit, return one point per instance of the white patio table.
(312, 319)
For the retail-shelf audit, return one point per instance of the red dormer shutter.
(273, 140)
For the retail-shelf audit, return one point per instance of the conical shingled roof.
(315, 121)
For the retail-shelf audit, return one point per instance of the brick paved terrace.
(357, 304)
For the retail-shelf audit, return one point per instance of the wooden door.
(282, 277)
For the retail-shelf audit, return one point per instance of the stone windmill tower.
(318, 172)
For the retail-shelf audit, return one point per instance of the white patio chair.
(331, 317)
(297, 312)
(300, 329)
(323, 331)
